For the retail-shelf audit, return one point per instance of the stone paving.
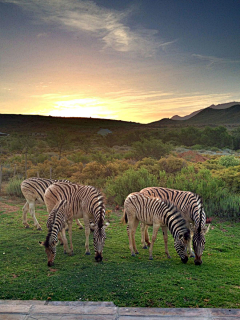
(77, 310)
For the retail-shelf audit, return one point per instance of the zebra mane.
(51, 220)
(202, 221)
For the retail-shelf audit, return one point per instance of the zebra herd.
(179, 211)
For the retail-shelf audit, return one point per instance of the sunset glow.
(129, 61)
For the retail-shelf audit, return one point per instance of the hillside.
(213, 106)
(41, 124)
(208, 116)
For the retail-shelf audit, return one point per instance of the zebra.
(55, 225)
(191, 207)
(155, 212)
(68, 201)
(33, 189)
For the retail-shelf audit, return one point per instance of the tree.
(153, 148)
(60, 140)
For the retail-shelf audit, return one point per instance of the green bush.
(229, 161)
(117, 189)
(14, 187)
(153, 148)
(217, 198)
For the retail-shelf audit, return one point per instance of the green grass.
(121, 278)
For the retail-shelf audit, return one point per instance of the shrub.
(153, 148)
(117, 189)
(14, 187)
(229, 161)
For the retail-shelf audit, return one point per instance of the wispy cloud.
(211, 60)
(107, 25)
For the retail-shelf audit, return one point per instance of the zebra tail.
(124, 219)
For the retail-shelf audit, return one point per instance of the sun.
(84, 107)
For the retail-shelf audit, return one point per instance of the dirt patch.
(8, 207)
(192, 156)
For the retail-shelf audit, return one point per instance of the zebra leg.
(70, 237)
(25, 210)
(154, 237)
(32, 212)
(165, 238)
(64, 240)
(190, 250)
(79, 224)
(132, 230)
(144, 236)
(87, 233)
(147, 236)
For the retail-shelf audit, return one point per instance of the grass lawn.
(121, 278)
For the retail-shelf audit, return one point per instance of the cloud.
(211, 60)
(107, 25)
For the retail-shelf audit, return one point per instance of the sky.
(132, 60)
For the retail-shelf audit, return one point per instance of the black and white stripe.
(81, 202)
(191, 207)
(155, 212)
(33, 190)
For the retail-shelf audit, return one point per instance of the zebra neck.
(175, 223)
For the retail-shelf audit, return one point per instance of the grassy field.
(121, 278)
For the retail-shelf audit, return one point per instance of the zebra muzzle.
(98, 257)
(198, 261)
(184, 260)
(50, 263)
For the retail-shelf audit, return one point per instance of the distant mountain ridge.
(206, 117)
(213, 106)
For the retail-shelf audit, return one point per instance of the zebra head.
(99, 236)
(50, 249)
(199, 243)
(180, 243)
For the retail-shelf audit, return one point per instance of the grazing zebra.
(192, 210)
(155, 212)
(33, 189)
(68, 201)
(55, 225)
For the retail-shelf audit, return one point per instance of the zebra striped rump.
(33, 190)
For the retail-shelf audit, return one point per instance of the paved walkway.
(76, 310)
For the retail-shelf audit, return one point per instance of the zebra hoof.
(145, 247)
(87, 253)
(39, 229)
(137, 252)
(150, 258)
(27, 226)
(133, 254)
(192, 255)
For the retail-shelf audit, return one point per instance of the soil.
(192, 156)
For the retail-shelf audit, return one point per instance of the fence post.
(26, 165)
(0, 178)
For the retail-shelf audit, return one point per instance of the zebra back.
(37, 187)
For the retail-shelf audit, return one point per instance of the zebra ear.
(106, 225)
(54, 243)
(206, 228)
